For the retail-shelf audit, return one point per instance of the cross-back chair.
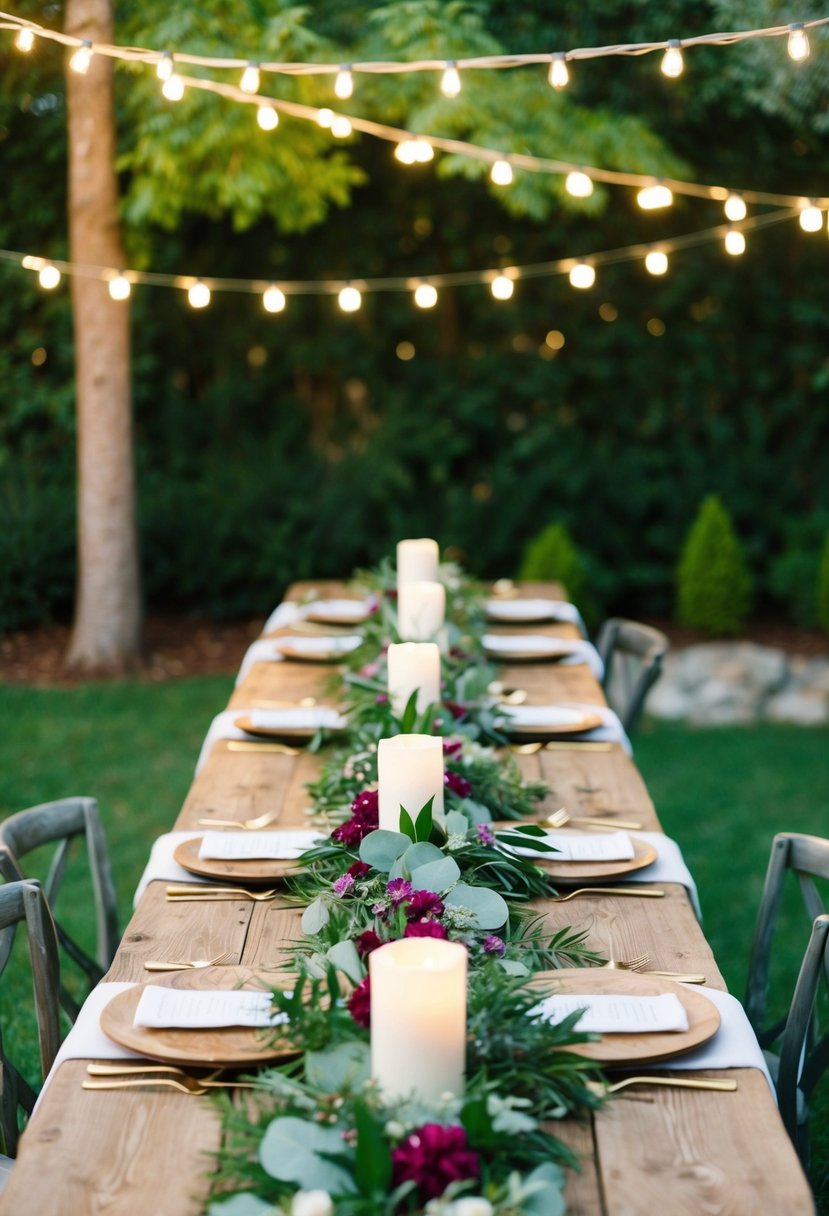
(24, 902)
(632, 654)
(64, 823)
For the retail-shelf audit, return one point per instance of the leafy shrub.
(553, 554)
(795, 573)
(823, 587)
(714, 586)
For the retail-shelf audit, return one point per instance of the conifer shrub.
(552, 555)
(714, 584)
(823, 587)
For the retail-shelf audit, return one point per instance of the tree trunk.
(106, 632)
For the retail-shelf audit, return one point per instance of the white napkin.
(162, 865)
(224, 725)
(534, 610)
(581, 846)
(290, 611)
(572, 651)
(245, 846)
(204, 1009)
(266, 650)
(618, 1014)
(669, 866)
(611, 730)
(298, 717)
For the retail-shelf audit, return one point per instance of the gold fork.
(186, 964)
(723, 1084)
(127, 1068)
(185, 1084)
(634, 889)
(252, 745)
(244, 825)
(206, 892)
(561, 818)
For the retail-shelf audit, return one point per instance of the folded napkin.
(534, 610)
(204, 1009)
(289, 611)
(548, 716)
(571, 651)
(162, 866)
(246, 846)
(618, 1014)
(669, 866)
(266, 650)
(224, 725)
(581, 846)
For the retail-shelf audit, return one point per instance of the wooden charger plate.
(226, 1045)
(338, 615)
(257, 870)
(551, 730)
(520, 612)
(644, 854)
(621, 1049)
(335, 655)
(280, 732)
(544, 654)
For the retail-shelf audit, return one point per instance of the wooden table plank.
(284, 681)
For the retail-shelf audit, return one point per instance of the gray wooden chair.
(632, 654)
(62, 824)
(797, 1052)
(24, 902)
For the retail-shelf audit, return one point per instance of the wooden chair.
(61, 823)
(632, 654)
(25, 902)
(797, 1052)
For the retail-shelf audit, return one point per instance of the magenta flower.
(382, 698)
(485, 835)
(364, 819)
(359, 1003)
(367, 942)
(494, 945)
(398, 890)
(424, 905)
(457, 784)
(456, 710)
(358, 869)
(425, 928)
(433, 1157)
(452, 747)
(366, 804)
(342, 884)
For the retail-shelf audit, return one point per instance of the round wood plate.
(338, 612)
(644, 854)
(520, 612)
(303, 733)
(548, 653)
(301, 655)
(257, 870)
(227, 1045)
(551, 730)
(621, 1049)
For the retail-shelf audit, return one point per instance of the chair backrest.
(632, 654)
(25, 902)
(62, 823)
(804, 1051)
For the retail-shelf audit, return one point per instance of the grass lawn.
(721, 792)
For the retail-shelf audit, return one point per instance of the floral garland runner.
(317, 1136)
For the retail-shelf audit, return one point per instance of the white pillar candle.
(418, 1018)
(413, 665)
(409, 773)
(417, 561)
(421, 610)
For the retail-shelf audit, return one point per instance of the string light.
(425, 295)
(273, 299)
(501, 173)
(502, 287)
(798, 43)
(199, 295)
(48, 277)
(735, 242)
(672, 61)
(267, 118)
(349, 299)
(578, 184)
(582, 275)
(340, 126)
(735, 207)
(173, 87)
(343, 84)
(811, 218)
(82, 57)
(651, 198)
(450, 81)
(165, 66)
(656, 261)
(414, 151)
(249, 82)
(325, 117)
(120, 287)
(559, 74)
(25, 40)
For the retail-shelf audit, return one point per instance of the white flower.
(472, 1205)
(313, 1203)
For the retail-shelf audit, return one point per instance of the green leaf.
(339, 1069)
(513, 967)
(408, 718)
(547, 1198)
(315, 917)
(240, 1205)
(421, 853)
(372, 1165)
(488, 907)
(290, 1150)
(423, 823)
(382, 848)
(457, 823)
(406, 824)
(345, 958)
(525, 841)
(437, 876)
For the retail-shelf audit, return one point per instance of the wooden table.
(674, 1151)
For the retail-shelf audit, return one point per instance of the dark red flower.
(359, 1003)
(433, 1157)
(424, 928)
(364, 819)
(366, 942)
(457, 784)
(452, 747)
(424, 905)
(455, 709)
(358, 869)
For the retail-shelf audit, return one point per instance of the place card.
(582, 846)
(204, 1009)
(521, 643)
(297, 718)
(524, 717)
(250, 846)
(606, 1014)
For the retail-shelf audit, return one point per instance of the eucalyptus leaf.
(421, 853)
(399, 869)
(437, 876)
(338, 1069)
(547, 1186)
(345, 958)
(476, 812)
(457, 824)
(244, 1204)
(513, 967)
(290, 1150)
(487, 906)
(382, 848)
(315, 917)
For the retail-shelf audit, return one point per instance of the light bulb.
(49, 276)
(502, 287)
(343, 84)
(578, 184)
(425, 295)
(340, 127)
(349, 299)
(735, 207)
(250, 79)
(450, 81)
(798, 45)
(24, 41)
(82, 58)
(501, 173)
(199, 295)
(811, 218)
(173, 88)
(164, 67)
(30, 262)
(559, 74)
(405, 152)
(582, 275)
(120, 287)
(423, 151)
(267, 118)
(650, 198)
(672, 61)
(656, 262)
(735, 242)
(325, 117)
(273, 299)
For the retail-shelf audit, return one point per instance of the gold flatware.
(722, 1084)
(681, 977)
(244, 825)
(584, 745)
(250, 745)
(205, 891)
(195, 964)
(633, 889)
(561, 818)
(185, 1084)
(506, 695)
(525, 749)
(264, 703)
(128, 1068)
(638, 963)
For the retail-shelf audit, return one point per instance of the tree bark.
(107, 627)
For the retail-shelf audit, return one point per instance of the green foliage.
(823, 587)
(553, 554)
(795, 572)
(713, 580)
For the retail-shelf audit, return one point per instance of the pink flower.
(342, 884)
(359, 1003)
(494, 945)
(457, 784)
(424, 905)
(452, 747)
(433, 1157)
(424, 928)
(398, 890)
(485, 834)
